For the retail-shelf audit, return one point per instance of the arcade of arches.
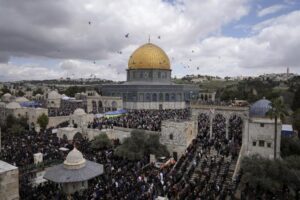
(222, 122)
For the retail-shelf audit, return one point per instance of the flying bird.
(192, 51)
(90, 23)
(127, 35)
(94, 62)
(119, 52)
(158, 37)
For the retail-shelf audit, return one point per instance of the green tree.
(20, 93)
(296, 120)
(71, 91)
(43, 121)
(37, 91)
(296, 101)
(16, 129)
(5, 90)
(270, 176)
(290, 146)
(101, 142)
(277, 111)
(140, 144)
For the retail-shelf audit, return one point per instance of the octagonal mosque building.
(149, 84)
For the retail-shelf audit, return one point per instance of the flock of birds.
(127, 36)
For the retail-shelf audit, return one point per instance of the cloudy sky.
(46, 39)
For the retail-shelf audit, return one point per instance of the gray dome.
(74, 160)
(260, 108)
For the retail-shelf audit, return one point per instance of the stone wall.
(9, 182)
(54, 121)
(154, 105)
(177, 135)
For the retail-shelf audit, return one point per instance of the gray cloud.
(60, 30)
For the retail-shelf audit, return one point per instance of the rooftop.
(4, 167)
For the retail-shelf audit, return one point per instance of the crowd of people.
(204, 171)
(234, 126)
(19, 149)
(141, 119)
(67, 107)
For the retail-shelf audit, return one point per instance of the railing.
(36, 167)
(238, 163)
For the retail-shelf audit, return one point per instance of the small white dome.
(74, 160)
(79, 111)
(13, 105)
(21, 99)
(7, 95)
(54, 95)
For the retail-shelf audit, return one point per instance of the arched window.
(100, 107)
(167, 97)
(148, 97)
(179, 97)
(173, 97)
(154, 97)
(141, 97)
(114, 105)
(161, 97)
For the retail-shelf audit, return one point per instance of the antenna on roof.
(149, 39)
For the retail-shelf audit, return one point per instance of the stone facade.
(155, 105)
(226, 111)
(149, 75)
(55, 121)
(31, 114)
(34, 113)
(9, 181)
(145, 95)
(70, 188)
(261, 137)
(177, 136)
(207, 96)
(257, 133)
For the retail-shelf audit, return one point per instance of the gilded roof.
(149, 56)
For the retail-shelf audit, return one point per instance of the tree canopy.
(140, 144)
(290, 146)
(43, 121)
(15, 125)
(101, 142)
(265, 176)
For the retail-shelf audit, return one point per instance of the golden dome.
(149, 56)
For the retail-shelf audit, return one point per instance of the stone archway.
(235, 129)
(78, 137)
(94, 107)
(100, 107)
(114, 105)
